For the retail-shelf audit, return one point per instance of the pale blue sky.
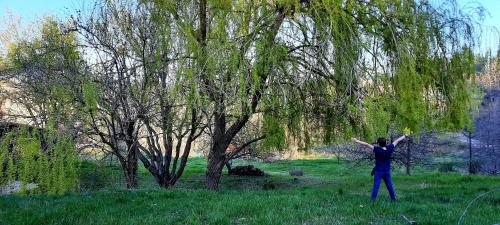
(491, 35)
(29, 10)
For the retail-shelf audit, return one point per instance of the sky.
(491, 37)
(30, 10)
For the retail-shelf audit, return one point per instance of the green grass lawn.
(328, 193)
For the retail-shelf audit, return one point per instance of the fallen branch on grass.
(409, 221)
(473, 200)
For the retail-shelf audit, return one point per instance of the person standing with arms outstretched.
(383, 154)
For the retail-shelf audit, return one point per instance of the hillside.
(487, 132)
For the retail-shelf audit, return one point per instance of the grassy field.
(328, 193)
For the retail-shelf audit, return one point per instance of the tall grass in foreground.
(329, 193)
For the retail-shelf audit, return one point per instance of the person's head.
(381, 142)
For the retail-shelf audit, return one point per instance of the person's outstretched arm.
(362, 143)
(396, 142)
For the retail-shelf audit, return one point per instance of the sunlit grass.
(328, 193)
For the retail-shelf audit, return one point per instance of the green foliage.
(224, 5)
(275, 133)
(50, 48)
(431, 86)
(378, 116)
(46, 71)
(2, 63)
(5, 157)
(53, 170)
(334, 69)
(462, 96)
(409, 101)
(90, 95)
(46, 68)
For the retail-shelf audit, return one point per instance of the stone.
(297, 172)
(16, 186)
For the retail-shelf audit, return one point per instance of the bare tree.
(409, 153)
(145, 108)
(415, 151)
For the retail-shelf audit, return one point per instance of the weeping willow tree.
(39, 72)
(326, 70)
(304, 70)
(161, 73)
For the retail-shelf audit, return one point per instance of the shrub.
(53, 169)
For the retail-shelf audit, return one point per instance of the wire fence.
(445, 152)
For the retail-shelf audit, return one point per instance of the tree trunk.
(131, 167)
(470, 152)
(228, 166)
(215, 164)
(408, 157)
(163, 179)
(166, 183)
(221, 138)
(216, 157)
(131, 171)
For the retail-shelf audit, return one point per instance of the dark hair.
(382, 142)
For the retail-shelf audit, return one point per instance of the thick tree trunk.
(163, 179)
(216, 156)
(166, 183)
(131, 171)
(215, 164)
(222, 137)
(131, 165)
(131, 179)
(130, 174)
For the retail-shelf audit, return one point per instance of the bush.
(52, 169)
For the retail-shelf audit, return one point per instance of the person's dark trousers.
(386, 176)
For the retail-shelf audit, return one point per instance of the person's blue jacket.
(383, 158)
